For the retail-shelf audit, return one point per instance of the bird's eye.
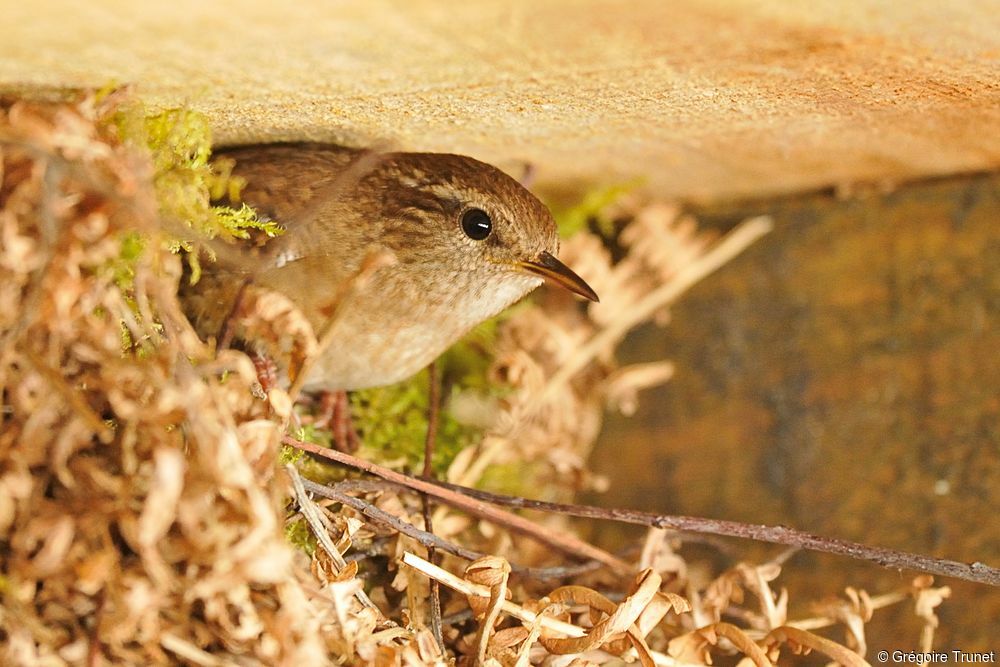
(476, 224)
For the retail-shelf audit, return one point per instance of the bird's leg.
(433, 413)
(267, 374)
(335, 413)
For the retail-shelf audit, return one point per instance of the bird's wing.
(284, 180)
(307, 189)
(310, 190)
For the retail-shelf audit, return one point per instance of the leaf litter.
(146, 502)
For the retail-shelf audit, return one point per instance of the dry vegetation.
(148, 514)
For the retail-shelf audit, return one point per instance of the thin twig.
(313, 518)
(977, 572)
(433, 413)
(228, 328)
(888, 558)
(715, 542)
(338, 492)
(564, 542)
(380, 516)
(433, 408)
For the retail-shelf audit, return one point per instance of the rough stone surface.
(840, 377)
(703, 98)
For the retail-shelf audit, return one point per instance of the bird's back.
(307, 192)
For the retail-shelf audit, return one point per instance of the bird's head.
(474, 225)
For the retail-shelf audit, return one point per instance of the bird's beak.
(552, 269)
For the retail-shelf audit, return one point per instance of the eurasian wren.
(468, 241)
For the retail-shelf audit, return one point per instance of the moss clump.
(392, 421)
(300, 535)
(179, 143)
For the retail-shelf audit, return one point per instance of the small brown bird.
(468, 241)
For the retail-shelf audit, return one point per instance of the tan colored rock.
(705, 98)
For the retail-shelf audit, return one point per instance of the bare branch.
(472, 501)
(564, 542)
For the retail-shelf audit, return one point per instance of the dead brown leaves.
(652, 625)
(140, 517)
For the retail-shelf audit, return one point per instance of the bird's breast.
(394, 327)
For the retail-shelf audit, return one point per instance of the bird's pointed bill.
(553, 270)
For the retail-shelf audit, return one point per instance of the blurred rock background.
(840, 377)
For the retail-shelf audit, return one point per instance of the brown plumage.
(429, 210)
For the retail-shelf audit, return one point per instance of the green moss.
(290, 454)
(300, 535)
(392, 424)
(511, 478)
(392, 421)
(179, 143)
